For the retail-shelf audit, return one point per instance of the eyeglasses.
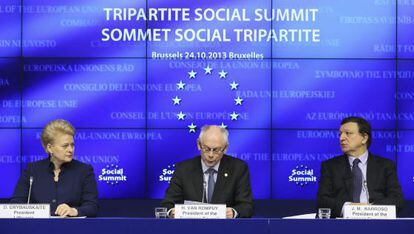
(207, 149)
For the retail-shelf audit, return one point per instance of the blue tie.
(357, 179)
(211, 184)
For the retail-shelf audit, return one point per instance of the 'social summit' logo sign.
(167, 173)
(301, 175)
(112, 174)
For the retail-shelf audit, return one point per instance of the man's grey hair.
(224, 132)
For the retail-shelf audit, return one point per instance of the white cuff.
(168, 212)
(235, 214)
(345, 204)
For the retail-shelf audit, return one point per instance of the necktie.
(211, 184)
(357, 179)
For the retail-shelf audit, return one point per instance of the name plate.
(11, 211)
(200, 211)
(369, 212)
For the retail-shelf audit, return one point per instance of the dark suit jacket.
(233, 190)
(335, 185)
(76, 186)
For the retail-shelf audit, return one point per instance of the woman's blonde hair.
(58, 126)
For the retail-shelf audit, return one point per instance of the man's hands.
(172, 213)
(229, 213)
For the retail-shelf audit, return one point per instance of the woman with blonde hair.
(68, 185)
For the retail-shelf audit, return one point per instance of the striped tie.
(211, 184)
(357, 179)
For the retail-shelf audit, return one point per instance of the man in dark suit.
(357, 176)
(212, 177)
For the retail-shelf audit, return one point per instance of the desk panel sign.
(11, 211)
(197, 211)
(369, 212)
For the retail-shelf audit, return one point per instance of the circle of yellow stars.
(176, 101)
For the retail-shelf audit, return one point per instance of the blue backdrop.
(138, 105)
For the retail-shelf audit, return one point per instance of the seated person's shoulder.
(81, 165)
(382, 161)
(41, 164)
(334, 160)
(188, 164)
(236, 162)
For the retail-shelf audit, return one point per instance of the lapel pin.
(225, 174)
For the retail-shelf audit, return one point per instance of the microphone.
(30, 189)
(204, 192)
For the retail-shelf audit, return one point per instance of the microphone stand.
(30, 189)
(204, 192)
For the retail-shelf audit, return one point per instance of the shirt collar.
(205, 167)
(363, 158)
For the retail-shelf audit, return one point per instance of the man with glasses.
(357, 176)
(212, 177)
